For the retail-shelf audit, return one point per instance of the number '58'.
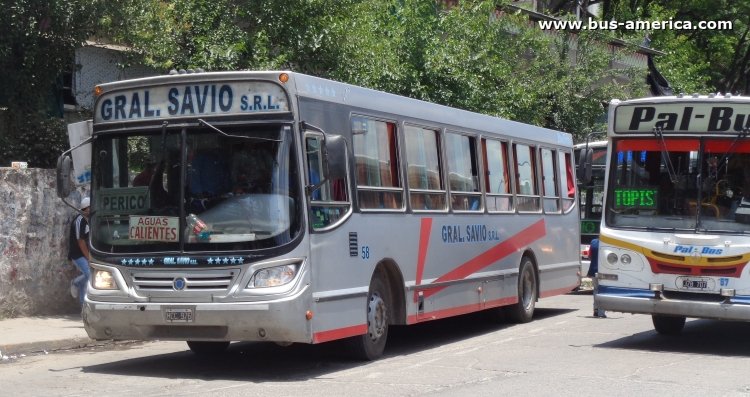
(365, 252)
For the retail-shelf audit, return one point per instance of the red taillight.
(585, 251)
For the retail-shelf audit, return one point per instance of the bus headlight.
(273, 276)
(103, 280)
(623, 259)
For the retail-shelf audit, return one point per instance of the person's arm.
(82, 234)
(84, 248)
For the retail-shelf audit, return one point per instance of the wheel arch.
(391, 273)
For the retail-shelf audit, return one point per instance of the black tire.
(371, 345)
(203, 348)
(668, 325)
(523, 311)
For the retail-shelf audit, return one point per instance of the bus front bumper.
(643, 301)
(278, 321)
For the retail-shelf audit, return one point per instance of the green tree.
(179, 34)
(474, 56)
(695, 60)
(36, 38)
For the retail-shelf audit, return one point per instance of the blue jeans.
(82, 280)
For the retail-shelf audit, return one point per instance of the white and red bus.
(674, 237)
(276, 206)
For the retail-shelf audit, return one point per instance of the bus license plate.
(178, 315)
(694, 284)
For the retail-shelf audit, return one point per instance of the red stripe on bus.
(424, 242)
(339, 333)
(677, 145)
(457, 311)
(494, 254)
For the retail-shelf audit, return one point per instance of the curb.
(11, 352)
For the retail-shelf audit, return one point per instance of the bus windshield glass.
(240, 190)
(591, 195)
(681, 184)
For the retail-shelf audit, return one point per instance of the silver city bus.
(276, 206)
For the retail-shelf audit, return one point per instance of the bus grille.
(195, 280)
(693, 296)
(716, 271)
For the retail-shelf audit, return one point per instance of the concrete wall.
(35, 273)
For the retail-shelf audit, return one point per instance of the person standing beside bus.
(593, 269)
(78, 250)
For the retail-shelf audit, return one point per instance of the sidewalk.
(33, 335)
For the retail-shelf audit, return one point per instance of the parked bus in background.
(288, 208)
(674, 239)
(590, 194)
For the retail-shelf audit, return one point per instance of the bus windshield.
(680, 184)
(591, 195)
(240, 190)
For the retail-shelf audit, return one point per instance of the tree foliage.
(694, 60)
(37, 41)
(476, 55)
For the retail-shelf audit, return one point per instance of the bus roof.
(679, 115)
(306, 86)
(684, 99)
(593, 145)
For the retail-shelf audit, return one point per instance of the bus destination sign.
(154, 228)
(122, 200)
(193, 99)
(636, 198)
(688, 117)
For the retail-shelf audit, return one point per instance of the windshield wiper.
(256, 138)
(730, 151)
(658, 132)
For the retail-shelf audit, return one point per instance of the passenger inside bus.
(152, 176)
(207, 173)
(251, 168)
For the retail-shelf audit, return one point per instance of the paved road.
(563, 352)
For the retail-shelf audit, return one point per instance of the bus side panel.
(558, 256)
(451, 264)
(343, 262)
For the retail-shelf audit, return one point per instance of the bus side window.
(463, 172)
(526, 185)
(567, 183)
(424, 173)
(549, 181)
(497, 176)
(328, 202)
(377, 166)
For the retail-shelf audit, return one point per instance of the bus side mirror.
(584, 165)
(335, 157)
(64, 169)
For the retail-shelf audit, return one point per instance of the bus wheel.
(523, 311)
(668, 325)
(371, 345)
(203, 348)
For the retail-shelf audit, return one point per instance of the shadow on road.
(720, 338)
(268, 362)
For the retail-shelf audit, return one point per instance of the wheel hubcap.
(376, 317)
